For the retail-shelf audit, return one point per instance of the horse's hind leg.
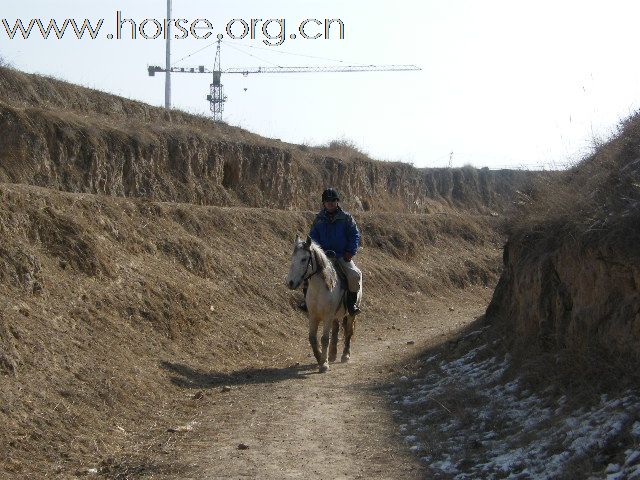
(313, 338)
(349, 325)
(333, 345)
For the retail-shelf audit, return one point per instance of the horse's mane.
(325, 267)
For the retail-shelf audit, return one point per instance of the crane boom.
(246, 71)
(346, 68)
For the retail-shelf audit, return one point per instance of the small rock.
(411, 342)
(243, 446)
(451, 309)
(86, 471)
(177, 429)
(198, 395)
(182, 428)
(226, 388)
(8, 364)
(379, 338)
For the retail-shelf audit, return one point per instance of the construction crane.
(217, 98)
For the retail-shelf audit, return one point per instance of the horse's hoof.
(324, 368)
(332, 359)
(345, 359)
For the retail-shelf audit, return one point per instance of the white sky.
(504, 83)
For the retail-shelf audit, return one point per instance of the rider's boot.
(352, 298)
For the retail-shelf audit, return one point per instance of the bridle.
(312, 256)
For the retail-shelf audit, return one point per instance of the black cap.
(330, 194)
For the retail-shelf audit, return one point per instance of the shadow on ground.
(136, 466)
(188, 377)
(455, 344)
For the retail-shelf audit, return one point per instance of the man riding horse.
(336, 231)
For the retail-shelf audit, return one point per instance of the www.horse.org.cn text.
(272, 31)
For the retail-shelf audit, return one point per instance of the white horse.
(325, 300)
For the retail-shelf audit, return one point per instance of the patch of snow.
(632, 456)
(445, 466)
(506, 431)
(612, 468)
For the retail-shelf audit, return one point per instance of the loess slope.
(101, 298)
(70, 138)
(571, 279)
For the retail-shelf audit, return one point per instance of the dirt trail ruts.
(297, 423)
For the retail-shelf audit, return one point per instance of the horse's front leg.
(333, 345)
(349, 324)
(313, 337)
(326, 329)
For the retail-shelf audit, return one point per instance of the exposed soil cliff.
(571, 275)
(75, 139)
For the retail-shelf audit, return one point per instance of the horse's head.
(301, 262)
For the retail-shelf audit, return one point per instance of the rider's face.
(331, 205)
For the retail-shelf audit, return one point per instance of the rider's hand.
(347, 256)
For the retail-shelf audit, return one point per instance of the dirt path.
(298, 423)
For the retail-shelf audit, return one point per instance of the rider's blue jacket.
(337, 232)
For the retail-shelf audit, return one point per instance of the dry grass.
(98, 293)
(597, 202)
(79, 104)
(568, 297)
(342, 147)
(582, 375)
